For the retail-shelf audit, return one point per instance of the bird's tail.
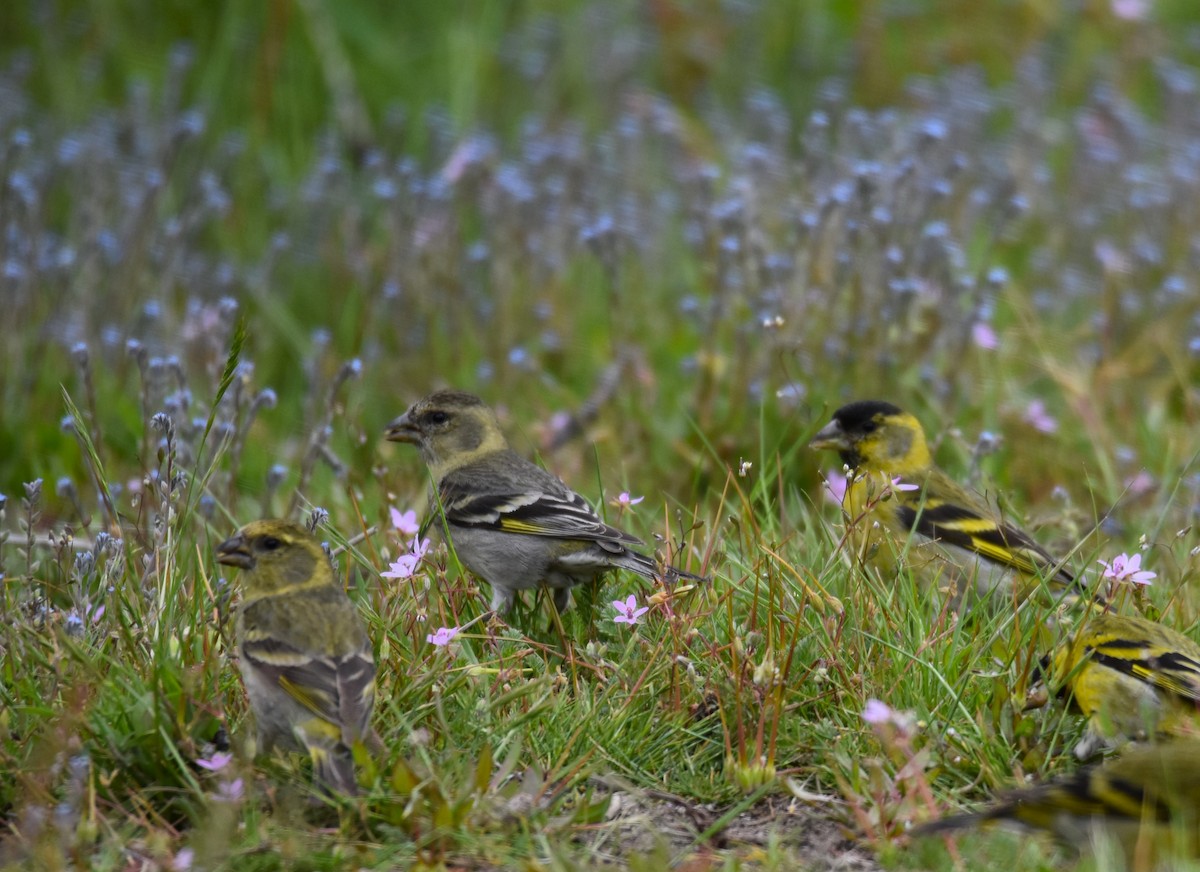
(1076, 591)
(333, 761)
(954, 822)
(674, 574)
(648, 567)
(333, 769)
(1071, 589)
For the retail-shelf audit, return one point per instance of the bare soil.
(643, 825)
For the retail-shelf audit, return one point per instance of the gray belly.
(515, 561)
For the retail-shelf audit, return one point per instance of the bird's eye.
(437, 417)
(270, 543)
(870, 426)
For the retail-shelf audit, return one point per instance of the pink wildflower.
(1125, 567)
(628, 611)
(984, 336)
(1130, 10)
(442, 637)
(835, 485)
(405, 522)
(406, 564)
(1038, 418)
(876, 712)
(230, 791)
(216, 762)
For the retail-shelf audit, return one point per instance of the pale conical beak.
(830, 436)
(402, 430)
(235, 551)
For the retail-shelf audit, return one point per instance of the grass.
(664, 269)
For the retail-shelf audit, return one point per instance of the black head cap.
(853, 416)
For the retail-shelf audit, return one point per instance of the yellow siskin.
(1132, 678)
(1148, 799)
(512, 523)
(304, 652)
(921, 512)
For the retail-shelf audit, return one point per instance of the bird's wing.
(546, 507)
(356, 694)
(1173, 671)
(337, 688)
(957, 519)
(1091, 792)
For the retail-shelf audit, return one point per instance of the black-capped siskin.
(1132, 678)
(1148, 799)
(305, 655)
(512, 523)
(907, 505)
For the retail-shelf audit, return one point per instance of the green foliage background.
(644, 216)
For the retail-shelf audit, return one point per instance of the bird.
(304, 653)
(1147, 798)
(510, 522)
(1131, 677)
(922, 513)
